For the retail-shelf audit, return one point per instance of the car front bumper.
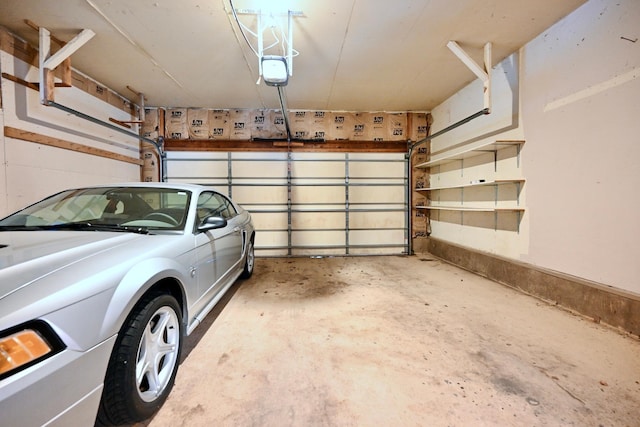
(63, 390)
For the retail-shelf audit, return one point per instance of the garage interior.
(445, 193)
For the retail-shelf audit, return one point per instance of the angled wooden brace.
(65, 67)
(48, 62)
(483, 73)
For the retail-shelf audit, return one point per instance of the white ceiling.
(355, 55)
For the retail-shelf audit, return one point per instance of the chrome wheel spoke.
(157, 354)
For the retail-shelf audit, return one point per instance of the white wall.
(578, 89)
(30, 171)
(582, 115)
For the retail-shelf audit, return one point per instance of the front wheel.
(144, 362)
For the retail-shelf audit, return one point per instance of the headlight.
(22, 346)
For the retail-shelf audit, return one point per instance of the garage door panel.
(319, 169)
(272, 239)
(373, 194)
(377, 237)
(259, 169)
(260, 195)
(310, 203)
(377, 220)
(376, 165)
(318, 194)
(184, 168)
(198, 157)
(318, 238)
(381, 170)
(318, 220)
(269, 221)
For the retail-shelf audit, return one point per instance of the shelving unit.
(469, 189)
(467, 152)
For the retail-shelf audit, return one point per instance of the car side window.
(214, 204)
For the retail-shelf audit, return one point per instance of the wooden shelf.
(470, 209)
(474, 184)
(466, 152)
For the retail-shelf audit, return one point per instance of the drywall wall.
(572, 94)
(581, 86)
(92, 153)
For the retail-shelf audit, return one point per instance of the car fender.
(139, 280)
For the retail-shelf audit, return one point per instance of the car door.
(218, 251)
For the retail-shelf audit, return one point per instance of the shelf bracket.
(48, 62)
(483, 73)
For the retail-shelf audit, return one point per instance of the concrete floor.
(398, 341)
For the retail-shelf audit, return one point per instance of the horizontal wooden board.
(301, 146)
(11, 132)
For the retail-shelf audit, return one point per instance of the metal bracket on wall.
(141, 113)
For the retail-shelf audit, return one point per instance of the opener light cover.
(274, 70)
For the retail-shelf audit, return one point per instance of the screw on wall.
(629, 40)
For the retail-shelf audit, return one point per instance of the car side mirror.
(212, 223)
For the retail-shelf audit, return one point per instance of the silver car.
(99, 286)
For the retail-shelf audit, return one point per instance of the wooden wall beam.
(11, 132)
(302, 146)
(30, 85)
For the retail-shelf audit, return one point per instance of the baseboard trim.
(599, 302)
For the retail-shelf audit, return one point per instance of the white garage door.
(311, 204)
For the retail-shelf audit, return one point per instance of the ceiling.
(354, 55)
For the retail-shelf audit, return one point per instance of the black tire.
(249, 262)
(150, 342)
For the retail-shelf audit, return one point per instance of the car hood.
(26, 256)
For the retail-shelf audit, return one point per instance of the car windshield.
(137, 209)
